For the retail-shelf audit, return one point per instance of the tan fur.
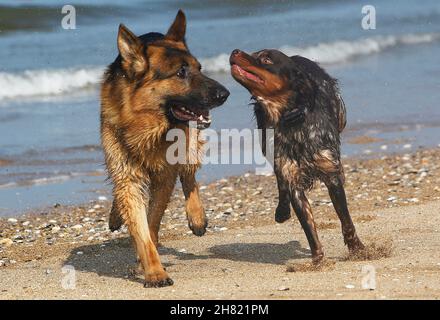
(289, 170)
(342, 114)
(273, 107)
(325, 162)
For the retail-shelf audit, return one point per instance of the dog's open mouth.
(186, 114)
(246, 74)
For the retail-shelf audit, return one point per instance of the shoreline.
(360, 140)
(75, 175)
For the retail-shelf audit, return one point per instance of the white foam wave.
(44, 83)
(219, 63)
(55, 179)
(336, 52)
(49, 180)
(36, 182)
(34, 83)
(342, 51)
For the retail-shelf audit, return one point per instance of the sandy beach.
(394, 202)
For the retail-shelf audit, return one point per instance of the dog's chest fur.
(143, 153)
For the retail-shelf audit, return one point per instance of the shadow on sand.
(116, 258)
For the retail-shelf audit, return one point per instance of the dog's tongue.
(246, 74)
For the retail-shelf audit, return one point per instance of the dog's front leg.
(161, 188)
(197, 221)
(303, 211)
(115, 221)
(129, 198)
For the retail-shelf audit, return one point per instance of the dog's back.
(328, 86)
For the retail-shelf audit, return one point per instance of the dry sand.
(249, 263)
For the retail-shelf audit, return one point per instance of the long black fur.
(315, 95)
(306, 135)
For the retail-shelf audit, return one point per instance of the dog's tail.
(341, 113)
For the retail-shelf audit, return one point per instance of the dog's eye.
(266, 60)
(182, 73)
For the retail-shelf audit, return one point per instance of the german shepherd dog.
(153, 86)
(301, 102)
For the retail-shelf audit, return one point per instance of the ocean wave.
(47, 82)
(336, 52)
(43, 83)
(343, 51)
(27, 179)
(36, 182)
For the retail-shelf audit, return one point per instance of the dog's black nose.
(236, 52)
(221, 95)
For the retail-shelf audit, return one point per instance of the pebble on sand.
(283, 289)
(55, 229)
(6, 242)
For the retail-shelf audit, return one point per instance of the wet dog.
(302, 103)
(153, 86)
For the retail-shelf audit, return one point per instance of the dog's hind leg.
(197, 221)
(336, 191)
(282, 212)
(129, 197)
(303, 211)
(161, 188)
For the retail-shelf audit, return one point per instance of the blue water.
(49, 78)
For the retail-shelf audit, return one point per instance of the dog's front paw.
(158, 280)
(282, 214)
(198, 228)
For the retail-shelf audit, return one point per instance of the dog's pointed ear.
(131, 50)
(178, 29)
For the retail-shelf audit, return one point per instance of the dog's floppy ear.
(178, 29)
(131, 50)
